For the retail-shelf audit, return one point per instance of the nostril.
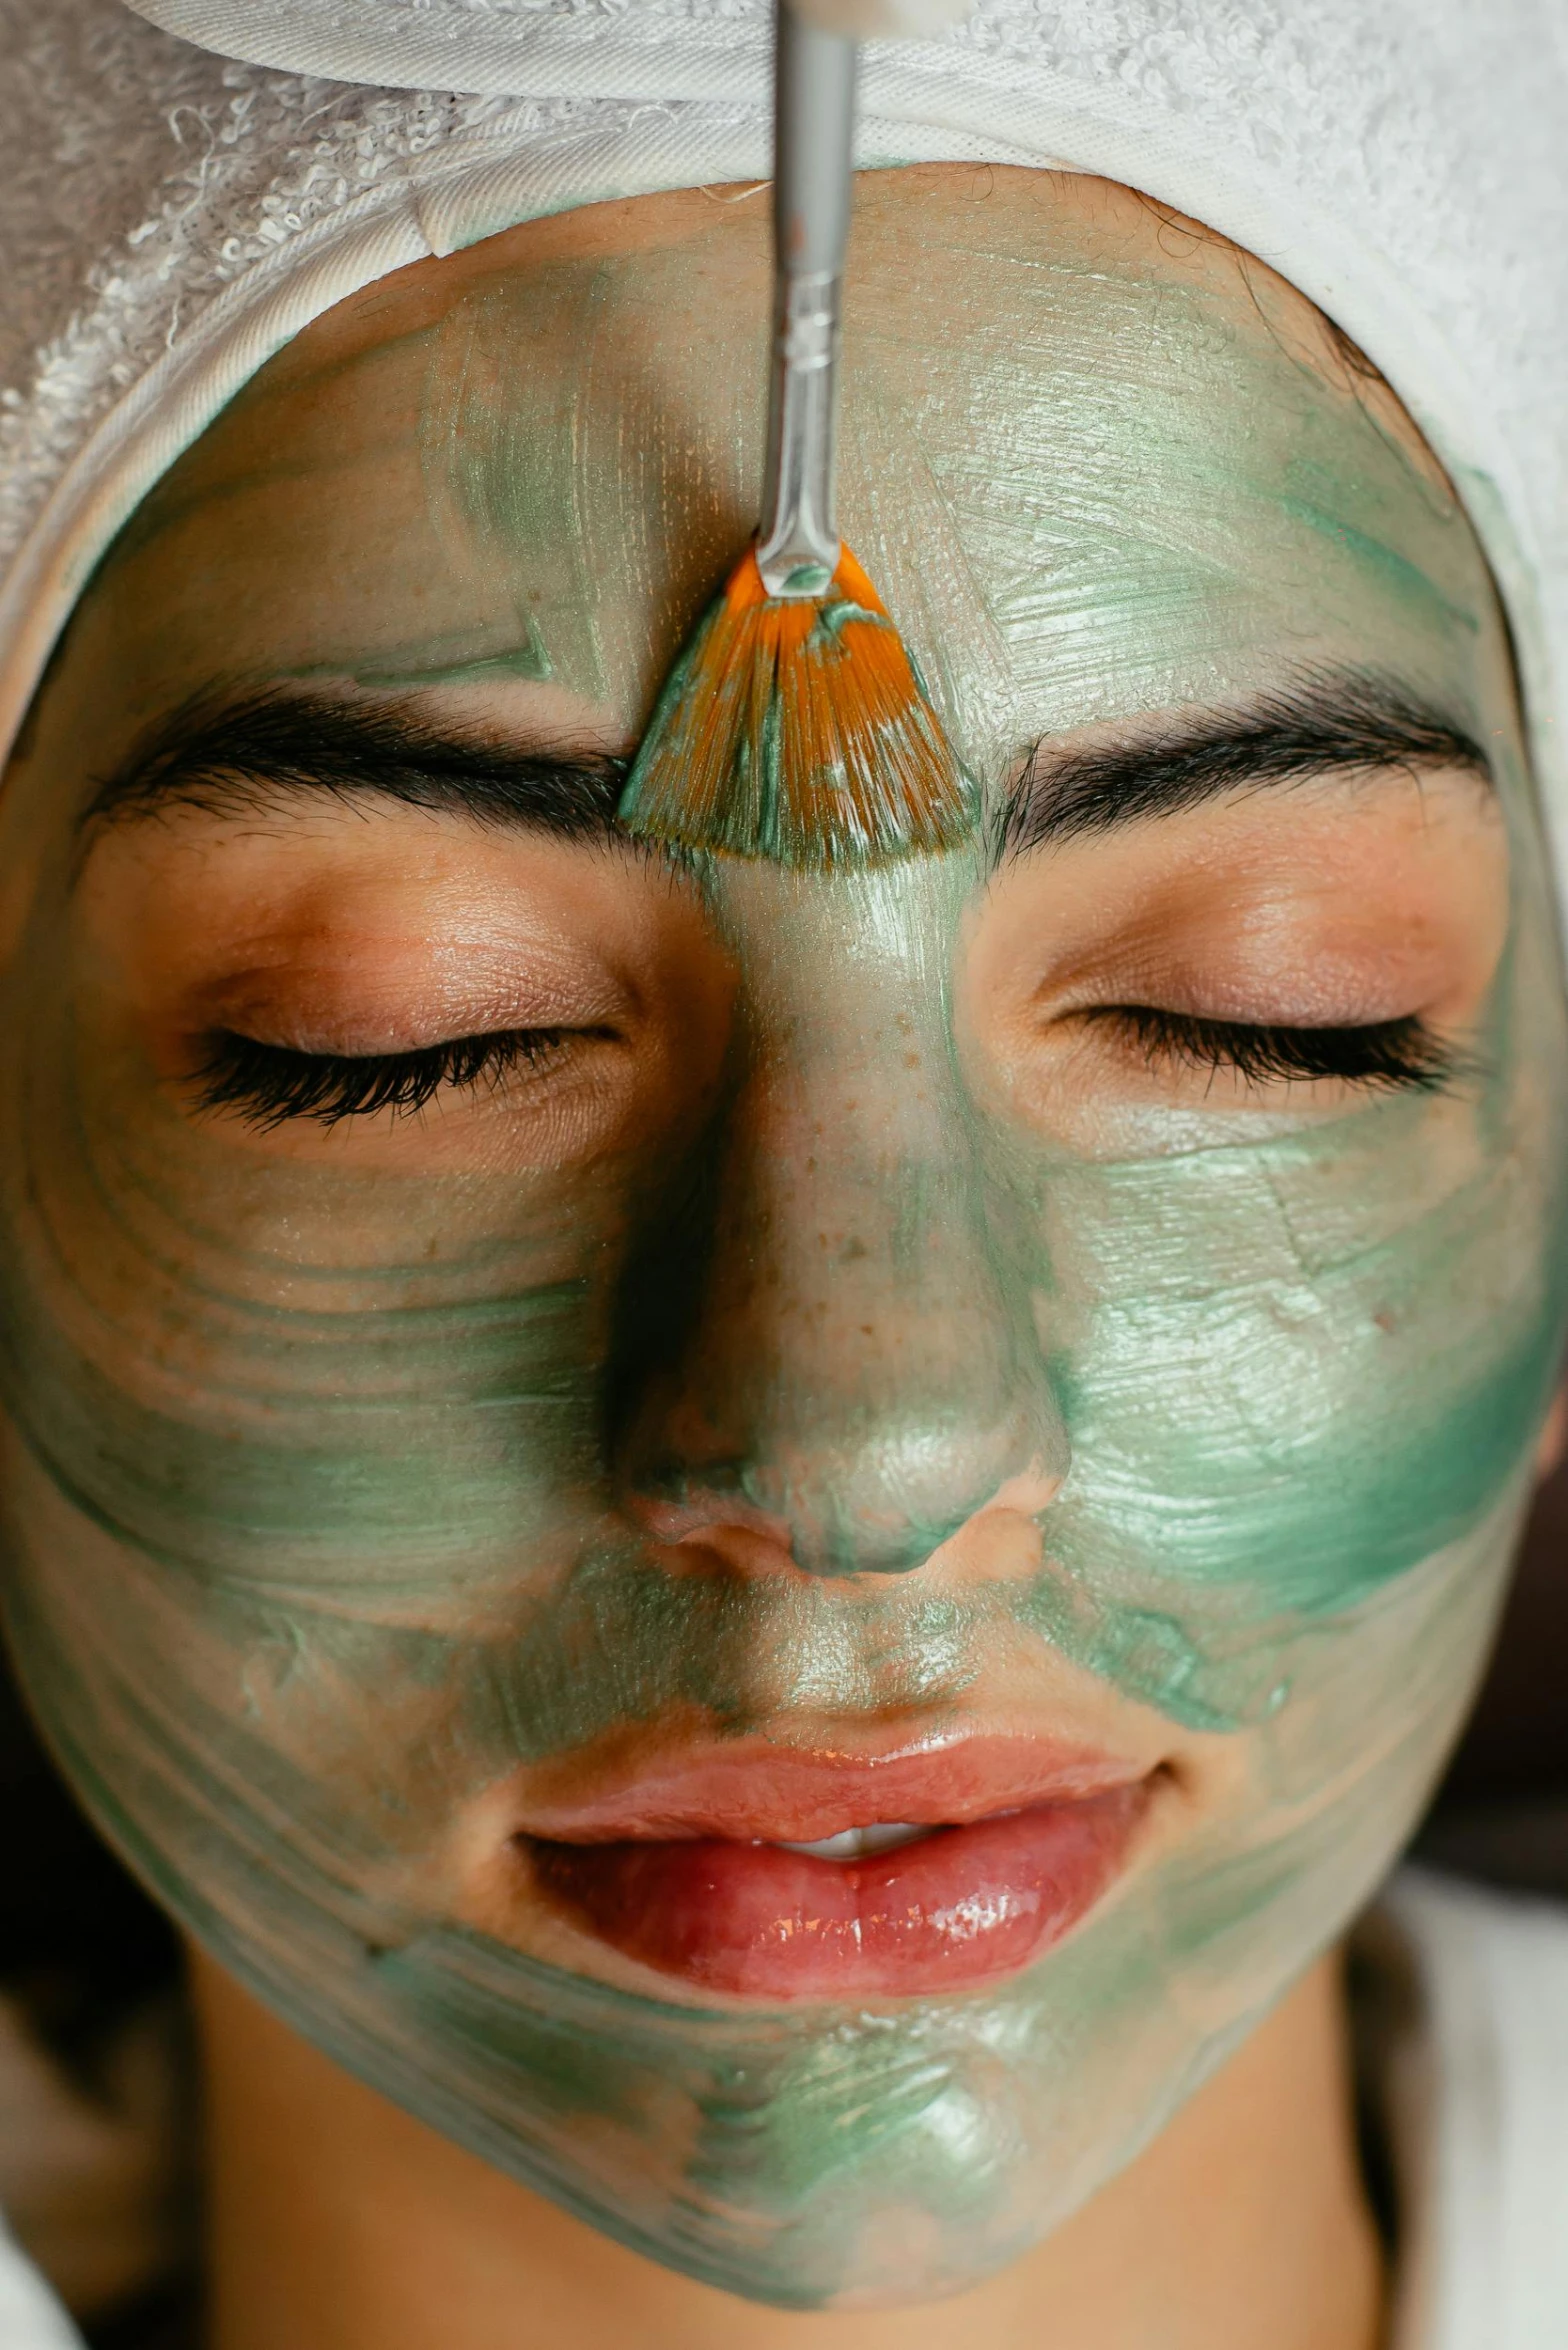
(715, 1529)
(1028, 1491)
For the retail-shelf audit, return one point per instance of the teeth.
(860, 1843)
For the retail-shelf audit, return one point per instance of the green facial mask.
(316, 1495)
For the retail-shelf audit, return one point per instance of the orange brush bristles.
(797, 729)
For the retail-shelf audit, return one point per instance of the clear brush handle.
(814, 121)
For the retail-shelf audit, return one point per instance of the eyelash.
(1385, 1056)
(269, 1083)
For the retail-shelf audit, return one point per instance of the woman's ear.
(1553, 1439)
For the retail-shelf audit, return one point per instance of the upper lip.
(754, 1792)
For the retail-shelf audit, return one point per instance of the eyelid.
(345, 1021)
(1310, 922)
(1314, 991)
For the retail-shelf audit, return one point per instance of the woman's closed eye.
(395, 990)
(1295, 957)
(1378, 1056)
(268, 1084)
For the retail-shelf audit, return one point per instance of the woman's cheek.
(1296, 1370)
(283, 1375)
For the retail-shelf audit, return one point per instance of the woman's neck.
(338, 2221)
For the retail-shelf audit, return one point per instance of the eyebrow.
(237, 754)
(240, 754)
(1340, 723)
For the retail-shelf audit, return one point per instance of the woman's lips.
(690, 1871)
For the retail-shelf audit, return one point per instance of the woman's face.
(542, 1375)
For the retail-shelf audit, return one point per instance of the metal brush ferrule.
(797, 551)
(814, 113)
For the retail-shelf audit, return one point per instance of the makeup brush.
(795, 725)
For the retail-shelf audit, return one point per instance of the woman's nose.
(840, 1345)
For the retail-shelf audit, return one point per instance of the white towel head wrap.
(173, 213)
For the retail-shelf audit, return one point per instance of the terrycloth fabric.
(30, 2316)
(170, 217)
(1471, 2073)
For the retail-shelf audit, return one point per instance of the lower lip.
(960, 1907)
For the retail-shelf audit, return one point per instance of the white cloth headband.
(170, 216)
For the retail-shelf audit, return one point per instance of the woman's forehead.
(1096, 463)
